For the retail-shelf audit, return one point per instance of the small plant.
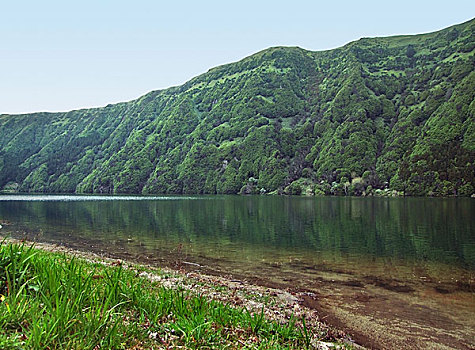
(256, 320)
(305, 333)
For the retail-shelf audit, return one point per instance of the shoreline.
(379, 193)
(277, 303)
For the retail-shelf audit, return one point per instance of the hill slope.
(393, 112)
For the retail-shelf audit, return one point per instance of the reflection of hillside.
(402, 228)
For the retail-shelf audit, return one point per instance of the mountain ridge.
(374, 114)
(396, 36)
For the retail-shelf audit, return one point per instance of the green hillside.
(377, 113)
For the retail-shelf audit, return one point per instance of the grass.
(55, 301)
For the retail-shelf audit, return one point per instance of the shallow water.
(388, 270)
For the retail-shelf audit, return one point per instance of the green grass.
(55, 301)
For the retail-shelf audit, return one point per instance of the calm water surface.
(354, 256)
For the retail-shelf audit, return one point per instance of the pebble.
(321, 345)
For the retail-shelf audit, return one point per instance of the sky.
(65, 55)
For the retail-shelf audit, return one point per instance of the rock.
(288, 298)
(321, 345)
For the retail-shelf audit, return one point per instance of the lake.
(390, 271)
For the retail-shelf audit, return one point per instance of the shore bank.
(277, 307)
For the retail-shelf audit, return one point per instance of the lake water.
(391, 271)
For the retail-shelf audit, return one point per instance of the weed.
(54, 301)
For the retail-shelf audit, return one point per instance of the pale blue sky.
(63, 55)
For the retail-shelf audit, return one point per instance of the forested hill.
(377, 113)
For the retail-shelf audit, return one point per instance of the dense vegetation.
(54, 301)
(379, 113)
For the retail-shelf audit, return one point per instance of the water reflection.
(412, 228)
